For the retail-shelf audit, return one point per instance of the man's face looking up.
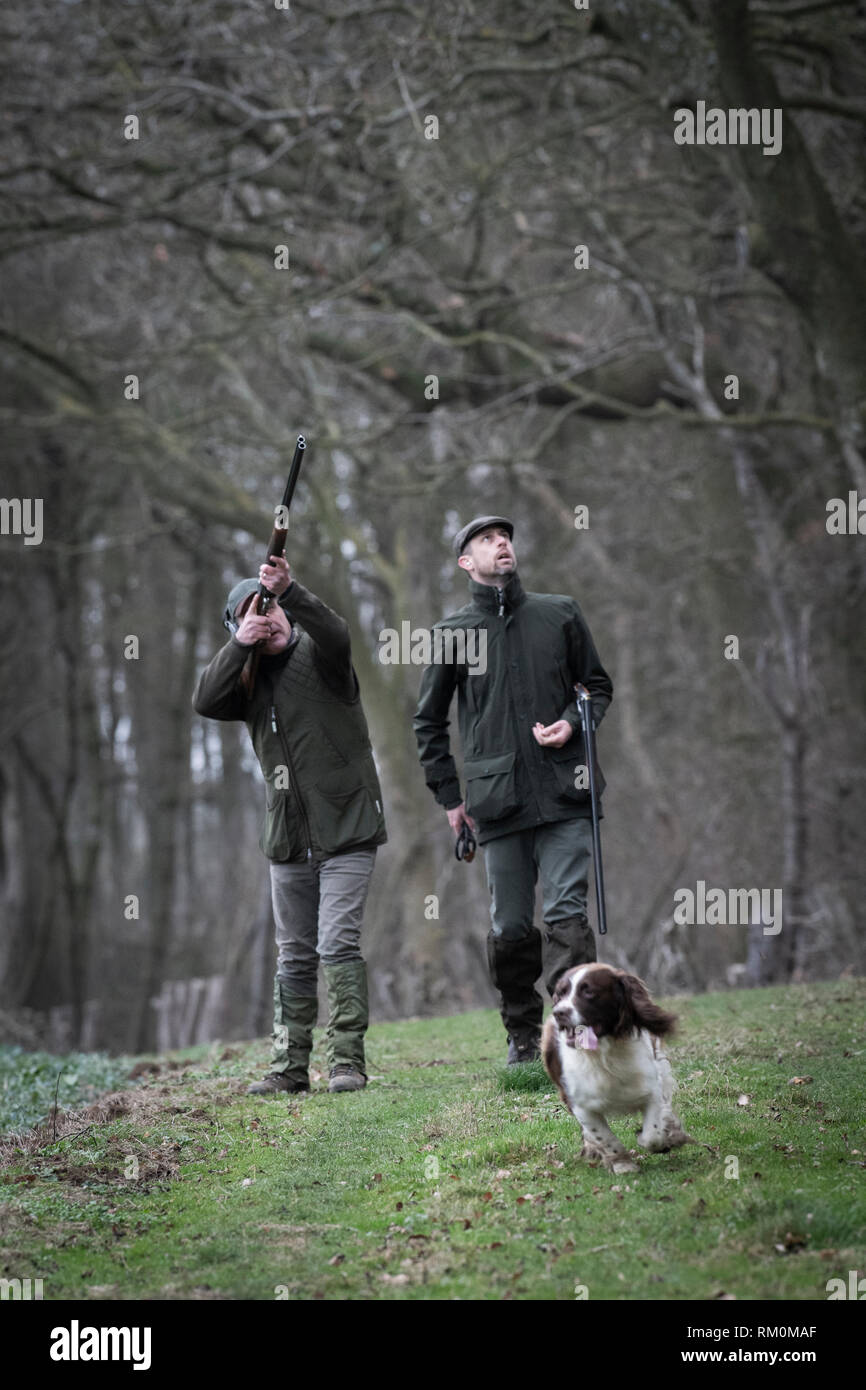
(489, 556)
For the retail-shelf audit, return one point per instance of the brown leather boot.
(275, 1083)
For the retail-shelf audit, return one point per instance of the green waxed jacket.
(309, 732)
(538, 646)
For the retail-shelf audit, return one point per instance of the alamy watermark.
(77, 1343)
(22, 516)
(729, 907)
(737, 126)
(846, 517)
(855, 1289)
(21, 1289)
(444, 646)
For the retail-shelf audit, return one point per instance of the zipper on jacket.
(285, 747)
(501, 593)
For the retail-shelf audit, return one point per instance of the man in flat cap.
(324, 817)
(524, 761)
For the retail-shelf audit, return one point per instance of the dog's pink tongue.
(587, 1038)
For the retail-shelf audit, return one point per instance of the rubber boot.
(566, 943)
(348, 1015)
(514, 967)
(294, 1017)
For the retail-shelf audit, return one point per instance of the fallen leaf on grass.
(800, 1080)
(336, 1259)
(743, 1099)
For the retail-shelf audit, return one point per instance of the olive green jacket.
(309, 733)
(538, 646)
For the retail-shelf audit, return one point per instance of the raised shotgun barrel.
(276, 546)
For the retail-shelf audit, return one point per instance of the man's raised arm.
(327, 630)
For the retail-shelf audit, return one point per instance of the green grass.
(452, 1178)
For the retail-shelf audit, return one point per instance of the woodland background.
(558, 387)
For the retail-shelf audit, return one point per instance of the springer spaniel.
(601, 1047)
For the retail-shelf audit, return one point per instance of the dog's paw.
(616, 1161)
(677, 1137)
(671, 1135)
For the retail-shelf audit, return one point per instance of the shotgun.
(276, 546)
(584, 705)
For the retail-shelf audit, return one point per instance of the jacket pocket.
(343, 816)
(491, 786)
(279, 839)
(569, 767)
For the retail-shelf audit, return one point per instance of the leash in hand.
(466, 845)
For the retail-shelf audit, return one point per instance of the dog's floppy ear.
(640, 1009)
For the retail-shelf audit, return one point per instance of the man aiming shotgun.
(287, 673)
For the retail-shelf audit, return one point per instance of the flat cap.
(479, 523)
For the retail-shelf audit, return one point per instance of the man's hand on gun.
(260, 627)
(255, 627)
(276, 577)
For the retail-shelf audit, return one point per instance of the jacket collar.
(486, 596)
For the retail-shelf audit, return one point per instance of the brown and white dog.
(601, 1048)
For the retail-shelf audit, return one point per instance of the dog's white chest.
(618, 1077)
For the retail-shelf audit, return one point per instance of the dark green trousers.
(559, 854)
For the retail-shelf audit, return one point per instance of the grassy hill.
(450, 1177)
